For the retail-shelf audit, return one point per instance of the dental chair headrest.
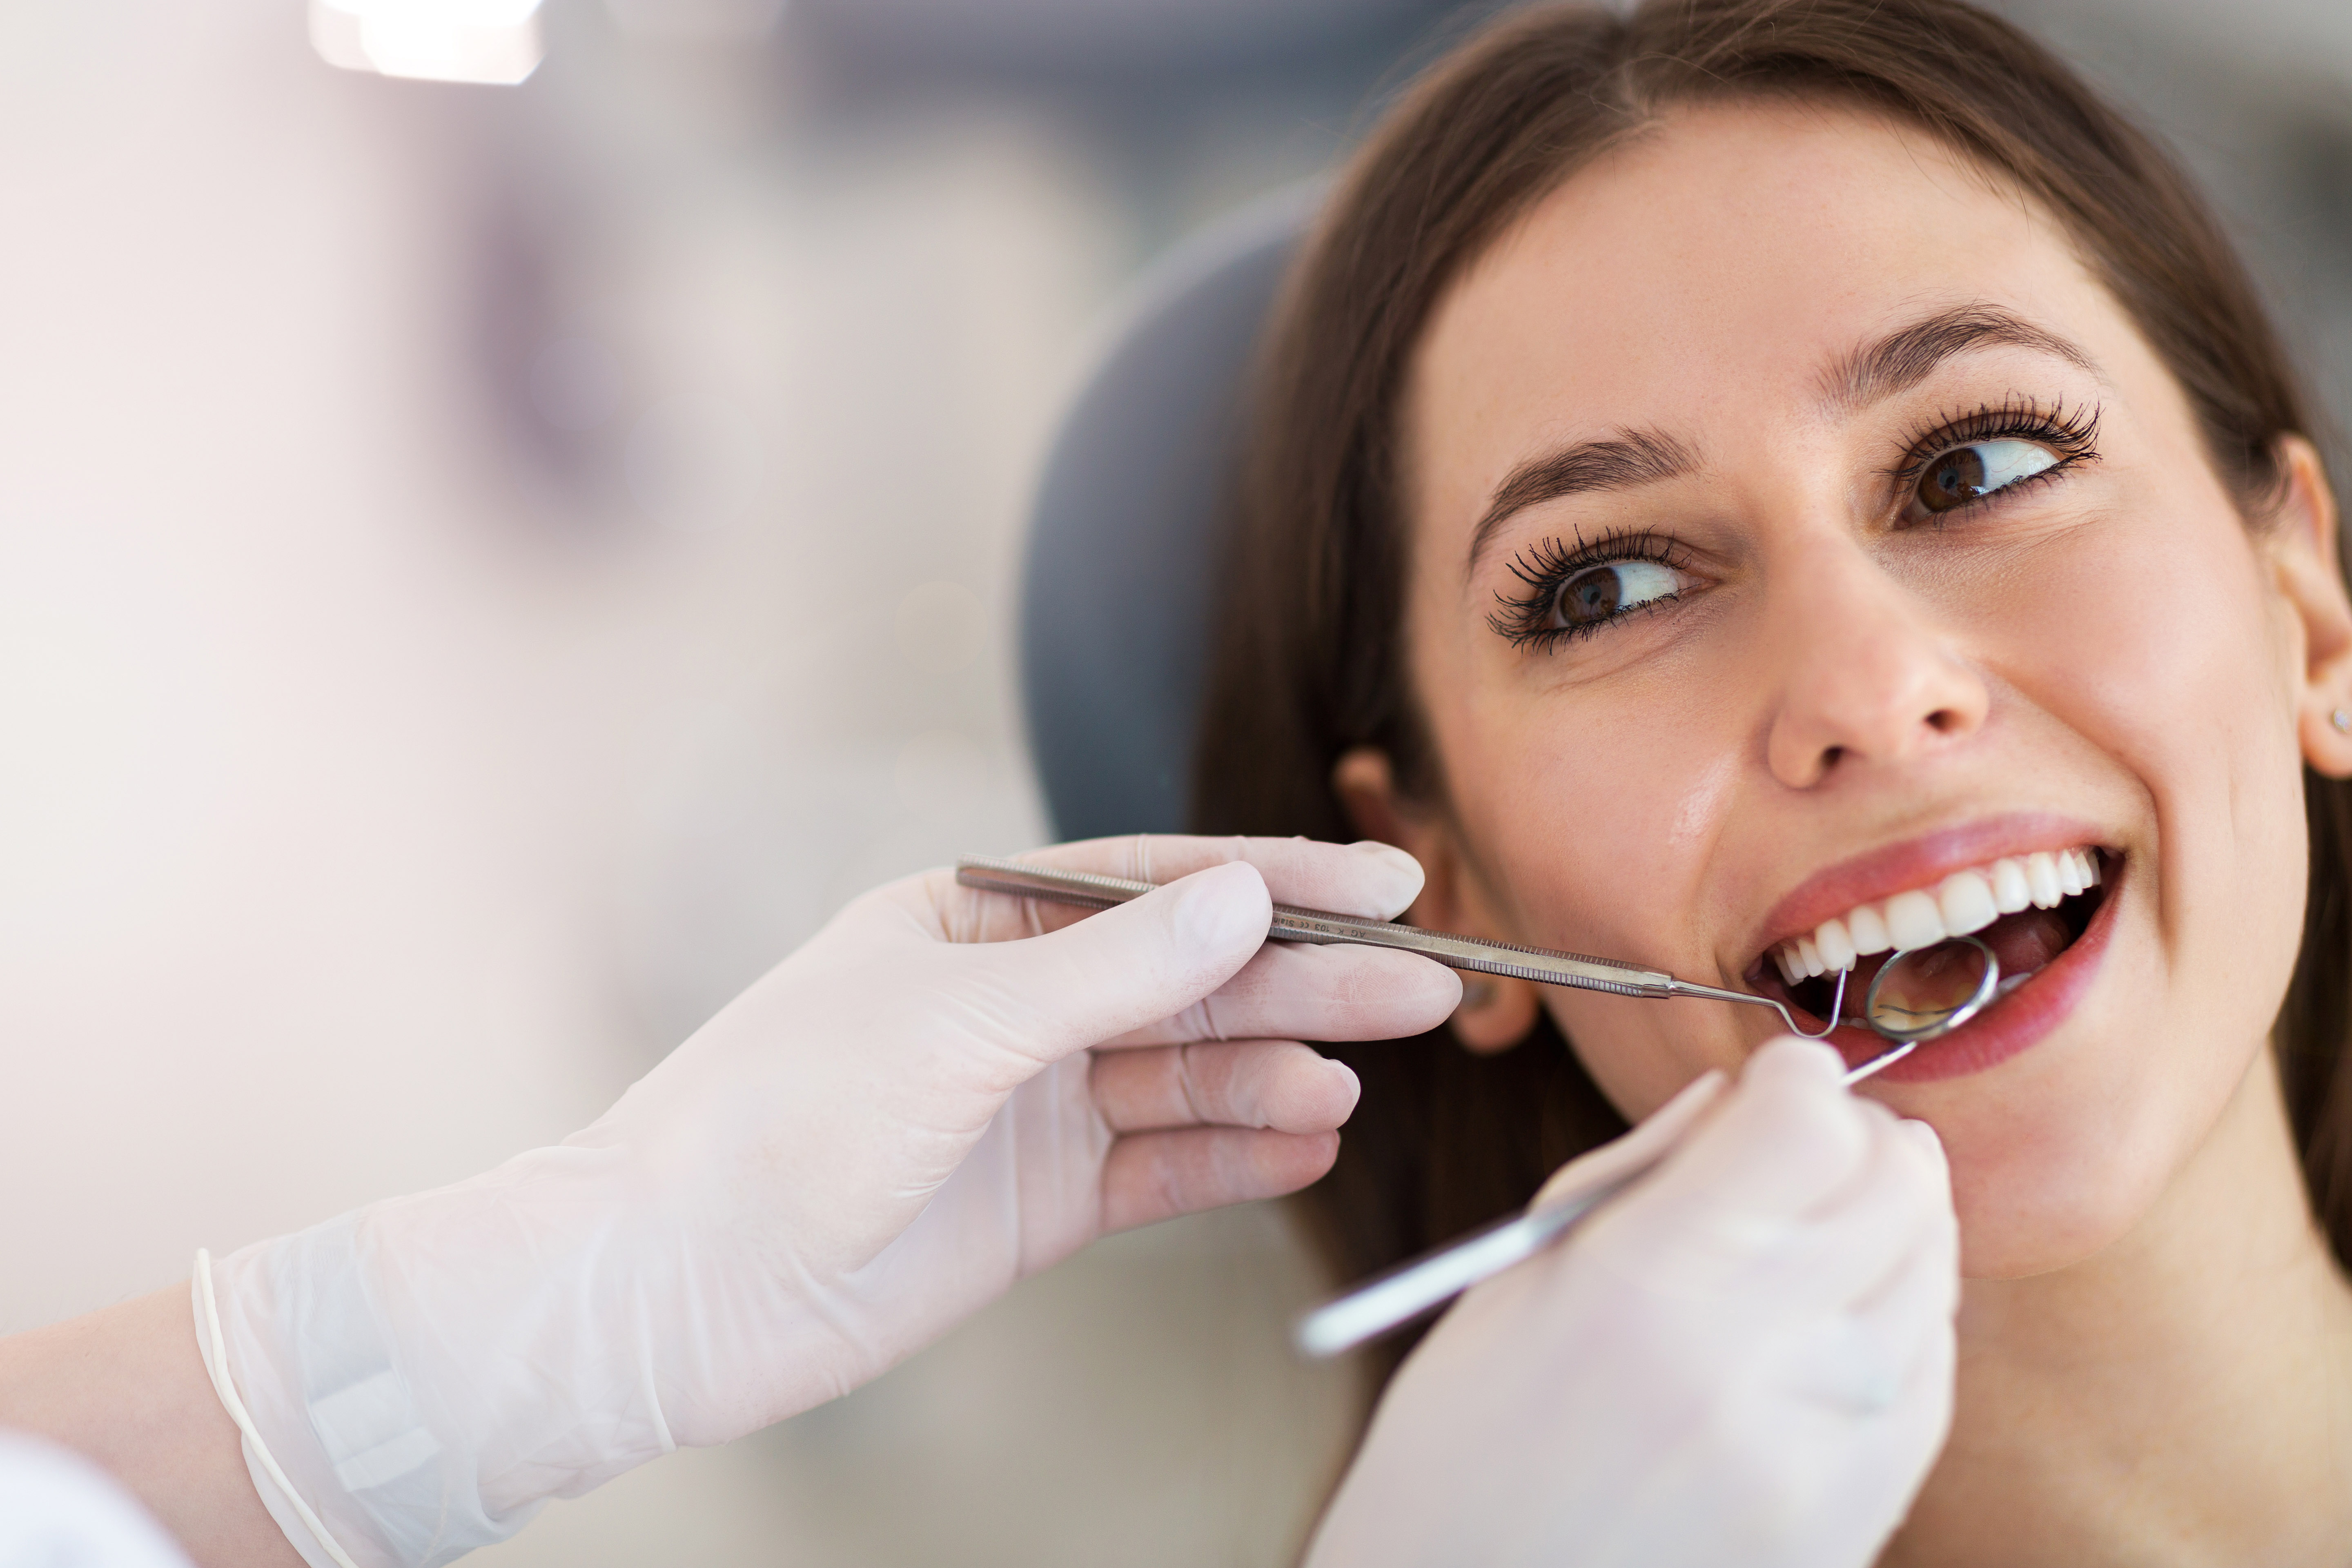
(1115, 592)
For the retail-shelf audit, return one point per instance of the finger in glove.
(1153, 1176)
(1278, 1084)
(1290, 990)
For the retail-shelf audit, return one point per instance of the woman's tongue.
(2026, 940)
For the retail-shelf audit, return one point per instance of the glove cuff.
(303, 1530)
(417, 1377)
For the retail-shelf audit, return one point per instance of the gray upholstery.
(1116, 589)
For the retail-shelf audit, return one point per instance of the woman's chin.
(2020, 1228)
(2052, 1172)
(2061, 1140)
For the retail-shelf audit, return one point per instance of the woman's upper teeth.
(1962, 902)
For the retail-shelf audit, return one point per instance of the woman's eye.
(1964, 473)
(1599, 592)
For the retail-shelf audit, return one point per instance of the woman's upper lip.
(1916, 862)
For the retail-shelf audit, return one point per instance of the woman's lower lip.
(2014, 1023)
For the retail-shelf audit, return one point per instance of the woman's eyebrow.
(1878, 369)
(1628, 459)
(1906, 356)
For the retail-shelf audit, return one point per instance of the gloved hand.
(1745, 1358)
(908, 1115)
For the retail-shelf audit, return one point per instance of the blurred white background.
(485, 569)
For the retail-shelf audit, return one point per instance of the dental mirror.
(1923, 993)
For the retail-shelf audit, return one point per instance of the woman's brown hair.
(1308, 658)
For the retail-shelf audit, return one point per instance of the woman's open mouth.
(2032, 911)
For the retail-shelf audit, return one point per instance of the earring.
(2342, 720)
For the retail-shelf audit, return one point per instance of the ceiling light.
(495, 41)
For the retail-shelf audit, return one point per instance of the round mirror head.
(1924, 991)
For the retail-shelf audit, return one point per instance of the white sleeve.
(60, 1510)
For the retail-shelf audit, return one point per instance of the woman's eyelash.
(1526, 619)
(2072, 434)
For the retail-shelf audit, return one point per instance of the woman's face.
(1797, 523)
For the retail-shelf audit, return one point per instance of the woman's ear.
(1496, 1011)
(2303, 546)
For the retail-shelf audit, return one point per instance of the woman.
(1735, 476)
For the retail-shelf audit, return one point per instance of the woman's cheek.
(2146, 656)
(1599, 839)
(2166, 663)
(1596, 826)
(1631, 1050)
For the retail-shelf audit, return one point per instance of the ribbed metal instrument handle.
(1090, 890)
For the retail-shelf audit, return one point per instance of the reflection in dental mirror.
(1928, 992)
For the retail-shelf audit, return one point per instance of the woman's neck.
(2183, 1397)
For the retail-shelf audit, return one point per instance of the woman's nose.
(1865, 677)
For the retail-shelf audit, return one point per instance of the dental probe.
(1420, 1285)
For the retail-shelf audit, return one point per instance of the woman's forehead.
(1736, 256)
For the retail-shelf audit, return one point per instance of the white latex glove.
(908, 1115)
(1746, 1358)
